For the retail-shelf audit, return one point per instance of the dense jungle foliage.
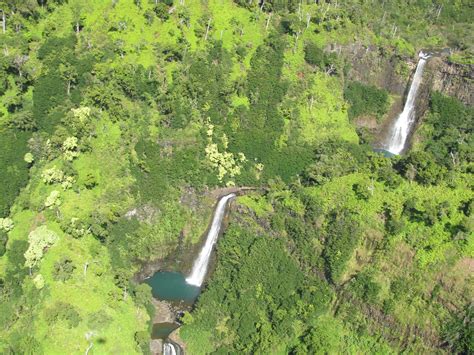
(117, 117)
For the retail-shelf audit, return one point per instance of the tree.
(89, 337)
(39, 240)
(316, 56)
(19, 61)
(29, 158)
(366, 100)
(70, 148)
(323, 338)
(52, 199)
(69, 74)
(39, 281)
(420, 166)
(4, 21)
(62, 311)
(161, 11)
(6, 224)
(365, 287)
(63, 269)
(77, 11)
(52, 175)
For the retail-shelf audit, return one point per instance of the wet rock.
(175, 338)
(238, 190)
(163, 312)
(148, 269)
(156, 346)
(367, 122)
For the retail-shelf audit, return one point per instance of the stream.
(178, 289)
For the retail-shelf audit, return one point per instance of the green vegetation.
(380, 244)
(366, 100)
(451, 138)
(257, 264)
(14, 169)
(117, 120)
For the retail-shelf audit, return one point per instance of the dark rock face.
(370, 66)
(453, 79)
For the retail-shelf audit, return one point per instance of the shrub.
(342, 236)
(365, 287)
(458, 334)
(316, 56)
(63, 269)
(64, 312)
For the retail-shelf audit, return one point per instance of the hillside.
(122, 121)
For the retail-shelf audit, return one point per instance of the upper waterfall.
(200, 265)
(401, 128)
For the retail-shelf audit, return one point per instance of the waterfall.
(402, 126)
(171, 349)
(200, 265)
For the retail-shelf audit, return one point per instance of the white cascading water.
(401, 128)
(169, 349)
(200, 265)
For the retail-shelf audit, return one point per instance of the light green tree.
(39, 241)
(67, 182)
(81, 113)
(53, 199)
(52, 175)
(6, 224)
(39, 281)
(226, 163)
(29, 158)
(70, 148)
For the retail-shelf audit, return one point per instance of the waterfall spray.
(200, 265)
(401, 129)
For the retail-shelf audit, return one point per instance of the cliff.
(453, 79)
(373, 66)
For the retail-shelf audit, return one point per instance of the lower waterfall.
(171, 349)
(201, 264)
